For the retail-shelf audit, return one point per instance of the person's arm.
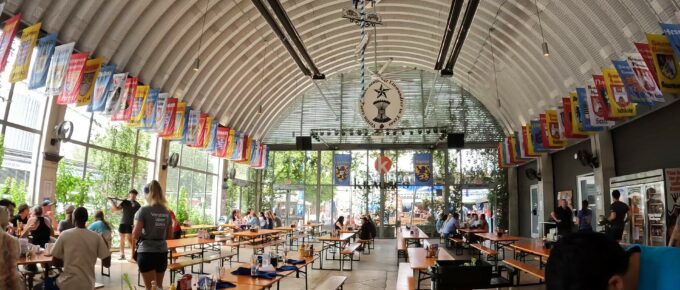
(137, 230)
(114, 206)
(578, 218)
(58, 254)
(48, 222)
(612, 216)
(554, 217)
(170, 232)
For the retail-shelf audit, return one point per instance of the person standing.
(618, 215)
(584, 218)
(67, 224)
(78, 250)
(48, 212)
(563, 217)
(153, 226)
(129, 207)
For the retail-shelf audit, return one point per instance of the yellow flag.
(619, 103)
(665, 63)
(29, 36)
(90, 74)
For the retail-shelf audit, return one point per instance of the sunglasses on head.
(146, 189)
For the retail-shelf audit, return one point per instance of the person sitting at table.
(10, 251)
(593, 261)
(78, 249)
(102, 227)
(440, 223)
(270, 220)
(39, 227)
(474, 221)
(262, 220)
(21, 216)
(483, 224)
(252, 220)
(153, 226)
(451, 227)
(235, 217)
(340, 223)
(67, 224)
(277, 221)
(584, 218)
(367, 231)
(10, 205)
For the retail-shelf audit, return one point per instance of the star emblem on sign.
(381, 92)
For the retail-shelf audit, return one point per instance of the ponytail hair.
(99, 215)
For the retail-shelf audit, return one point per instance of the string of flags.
(76, 79)
(639, 78)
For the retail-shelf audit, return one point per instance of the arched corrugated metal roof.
(158, 41)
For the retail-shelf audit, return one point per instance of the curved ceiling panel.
(243, 64)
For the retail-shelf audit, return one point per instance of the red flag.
(74, 75)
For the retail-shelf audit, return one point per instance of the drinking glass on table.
(285, 253)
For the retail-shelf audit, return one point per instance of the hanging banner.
(159, 115)
(58, 67)
(644, 77)
(180, 121)
(203, 131)
(221, 140)
(603, 94)
(510, 151)
(501, 161)
(237, 153)
(42, 61)
(555, 139)
(9, 31)
(90, 74)
(29, 37)
(247, 151)
(264, 157)
(210, 138)
(168, 118)
(341, 169)
(576, 126)
(582, 111)
(634, 90)
(570, 120)
(138, 106)
(126, 101)
(115, 93)
(256, 157)
(422, 163)
(514, 147)
(526, 142)
(617, 98)
(231, 143)
(646, 54)
(519, 142)
(101, 89)
(596, 105)
(192, 127)
(665, 61)
(560, 123)
(74, 75)
(537, 136)
(150, 110)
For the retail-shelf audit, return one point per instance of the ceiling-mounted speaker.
(455, 140)
(303, 143)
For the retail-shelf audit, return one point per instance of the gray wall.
(524, 198)
(648, 143)
(566, 168)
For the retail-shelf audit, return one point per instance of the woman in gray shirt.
(153, 227)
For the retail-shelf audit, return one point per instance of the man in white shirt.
(78, 250)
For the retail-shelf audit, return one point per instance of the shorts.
(148, 262)
(125, 229)
(176, 234)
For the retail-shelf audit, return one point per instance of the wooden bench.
(488, 251)
(523, 267)
(457, 245)
(332, 283)
(191, 253)
(219, 256)
(401, 250)
(348, 252)
(366, 244)
(405, 279)
(179, 266)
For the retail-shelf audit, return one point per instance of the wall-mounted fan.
(232, 173)
(172, 161)
(587, 159)
(62, 132)
(532, 174)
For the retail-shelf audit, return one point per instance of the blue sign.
(341, 169)
(42, 60)
(583, 112)
(422, 167)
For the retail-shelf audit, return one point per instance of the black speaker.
(455, 141)
(303, 143)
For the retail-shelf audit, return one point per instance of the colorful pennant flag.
(29, 37)
(42, 61)
(210, 138)
(9, 31)
(528, 145)
(160, 115)
(645, 78)
(634, 90)
(90, 74)
(126, 101)
(193, 127)
(342, 163)
(617, 98)
(150, 110)
(58, 68)
(74, 75)
(180, 122)
(665, 61)
(101, 89)
(582, 111)
(169, 118)
(114, 94)
(597, 106)
(646, 54)
(552, 123)
(231, 143)
(422, 163)
(221, 140)
(138, 106)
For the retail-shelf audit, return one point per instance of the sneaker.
(122, 257)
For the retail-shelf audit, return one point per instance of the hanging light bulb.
(197, 64)
(546, 51)
(544, 45)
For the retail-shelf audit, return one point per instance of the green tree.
(15, 190)
(182, 211)
(71, 189)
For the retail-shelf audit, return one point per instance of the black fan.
(532, 174)
(587, 159)
(232, 173)
(62, 132)
(172, 161)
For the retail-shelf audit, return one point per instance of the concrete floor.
(374, 272)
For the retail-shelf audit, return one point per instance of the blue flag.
(422, 167)
(341, 169)
(634, 89)
(41, 64)
(537, 137)
(583, 111)
(101, 88)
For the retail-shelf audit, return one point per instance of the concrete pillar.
(602, 146)
(258, 190)
(513, 202)
(220, 199)
(47, 170)
(546, 194)
(447, 181)
(161, 165)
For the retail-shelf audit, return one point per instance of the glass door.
(534, 210)
(587, 191)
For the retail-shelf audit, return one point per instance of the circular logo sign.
(382, 104)
(383, 164)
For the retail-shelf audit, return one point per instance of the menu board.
(655, 214)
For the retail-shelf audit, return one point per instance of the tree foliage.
(15, 190)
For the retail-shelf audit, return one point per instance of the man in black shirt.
(129, 207)
(21, 216)
(564, 218)
(617, 217)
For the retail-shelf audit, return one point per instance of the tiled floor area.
(374, 272)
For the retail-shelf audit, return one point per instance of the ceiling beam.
(454, 13)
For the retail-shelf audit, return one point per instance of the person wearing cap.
(48, 212)
(21, 216)
(129, 207)
(67, 224)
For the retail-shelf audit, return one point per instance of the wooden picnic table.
(34, 260)
(499, 241)
(472, 231)
(417, 258)
(414, 238)
(198, 227)
(251, 235)
(533, 246)
(332, 242)
(185, 242)
(286, 229)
